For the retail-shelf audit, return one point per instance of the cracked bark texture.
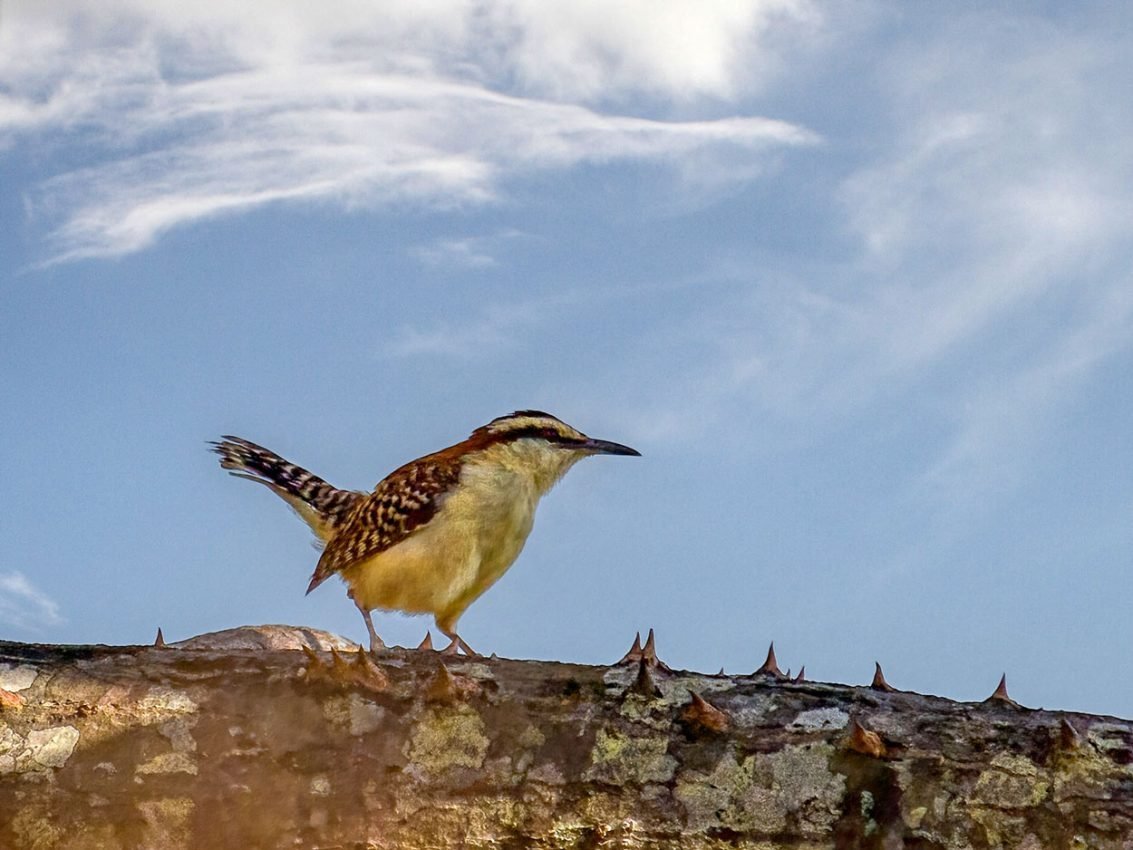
(243, 740)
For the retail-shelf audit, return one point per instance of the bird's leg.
(376, 642)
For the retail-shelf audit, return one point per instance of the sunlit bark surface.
(244, 740)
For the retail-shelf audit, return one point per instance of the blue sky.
(854, 277)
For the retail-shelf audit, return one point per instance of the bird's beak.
(605, 447)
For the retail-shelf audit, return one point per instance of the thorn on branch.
(649, 653)
(701, 716)
(646, 653)
(879, 683)
(316, 668)
(367, 674)
(643, 684)
(634, 654)
(770, 666)
(338, 666)
(999, 695)
(447, 688)
(442, 688)
(864, 741)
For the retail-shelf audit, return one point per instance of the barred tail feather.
(322, 506)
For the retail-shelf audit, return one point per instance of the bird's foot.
(377, 645)
(457, 646)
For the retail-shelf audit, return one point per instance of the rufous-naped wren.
(440, 530)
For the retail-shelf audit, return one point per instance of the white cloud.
(594, 49)
(179, 114)
(584, 50)
(24, 606)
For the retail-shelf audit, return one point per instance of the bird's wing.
(403, 502)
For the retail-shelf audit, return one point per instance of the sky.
(854, 277)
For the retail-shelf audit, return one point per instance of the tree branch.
(249, 742)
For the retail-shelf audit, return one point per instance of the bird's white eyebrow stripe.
(521, 419)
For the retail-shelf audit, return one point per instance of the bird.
(437, 532)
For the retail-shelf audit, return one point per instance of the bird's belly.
(475, 537)
(418, 575)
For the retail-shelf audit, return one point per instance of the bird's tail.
(320, 505)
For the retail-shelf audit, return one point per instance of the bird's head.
(542, 444)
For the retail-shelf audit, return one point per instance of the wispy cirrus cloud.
(495, 330)
(998, 229)
(467, 252)
(989, 277)
(23, 605)
(178, 116)
(463, 252)
(999, 423)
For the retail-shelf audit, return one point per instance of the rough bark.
(245, 741)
